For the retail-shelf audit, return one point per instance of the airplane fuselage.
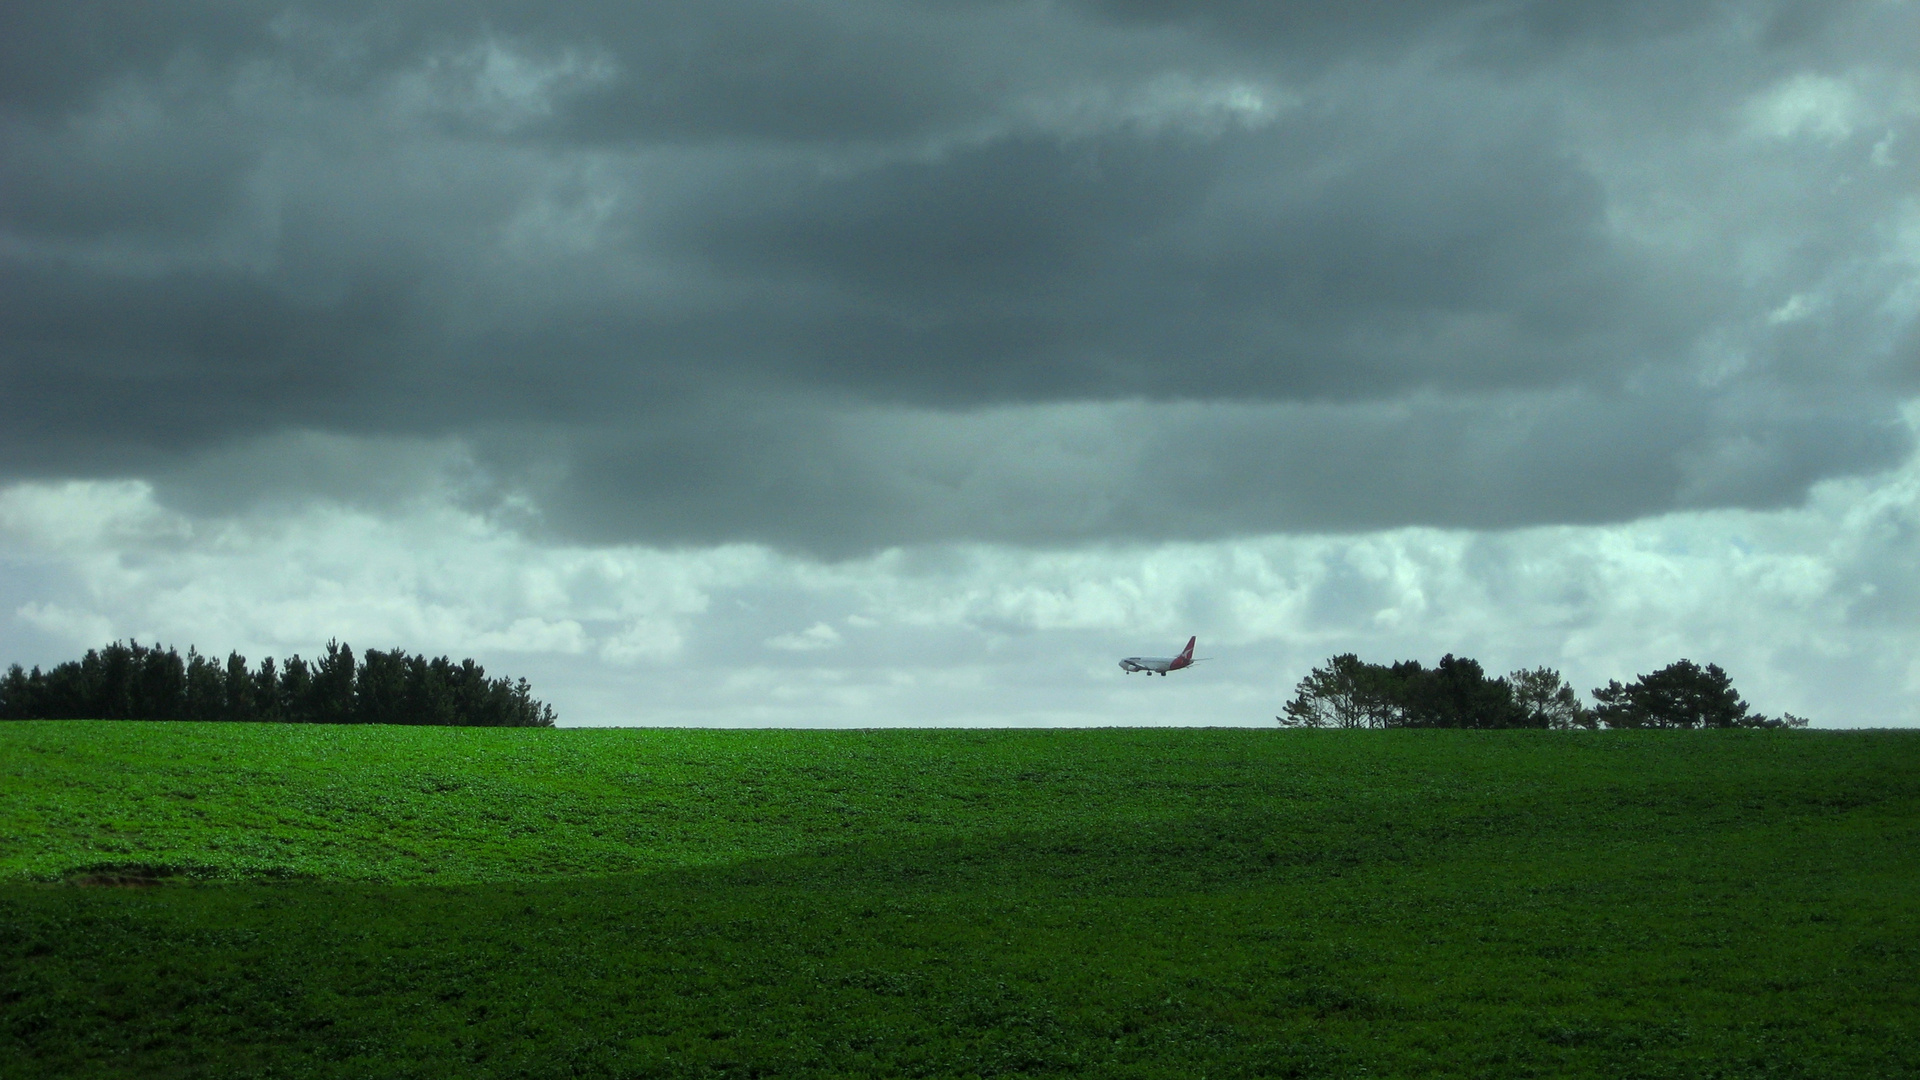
(1159, 665)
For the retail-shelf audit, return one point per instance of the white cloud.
(80, 515)
(1798, 306)
(812, 639)
(498, 83)
(1175, 100)
(1809, 608)
(643, 641)
(63, 622)
(1806, 104)
(1882, 153)
(536, 635)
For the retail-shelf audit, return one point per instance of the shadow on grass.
(1246, 946)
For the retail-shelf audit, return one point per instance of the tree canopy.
(130, 681)
(1455, 693)
(1348, 692)
(1681, 695)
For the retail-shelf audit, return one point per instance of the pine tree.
(1681, 695)
(133, 681)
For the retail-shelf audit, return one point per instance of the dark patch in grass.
(138, 875)
(127, 875)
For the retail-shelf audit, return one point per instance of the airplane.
(1160, 664)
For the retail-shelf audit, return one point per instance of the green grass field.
(237, 900)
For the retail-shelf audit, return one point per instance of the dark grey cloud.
(171, 181)
(835, 276)
(56, 57)
(1501, 32)
(1075, 474)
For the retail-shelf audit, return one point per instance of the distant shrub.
(131, 681)
(1682, 695)
(1455, 693)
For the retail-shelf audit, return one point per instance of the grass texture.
(188, 900)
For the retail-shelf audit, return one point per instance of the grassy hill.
(238, 900)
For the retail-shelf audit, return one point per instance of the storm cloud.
(837, 277)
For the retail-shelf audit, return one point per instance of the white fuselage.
(1159, 665)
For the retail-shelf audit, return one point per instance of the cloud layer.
(834, 277)
(857, 362)
(1809, 608)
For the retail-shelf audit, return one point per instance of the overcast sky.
(755, 361)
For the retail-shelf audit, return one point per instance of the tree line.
(130, 681)
(1348, 692)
